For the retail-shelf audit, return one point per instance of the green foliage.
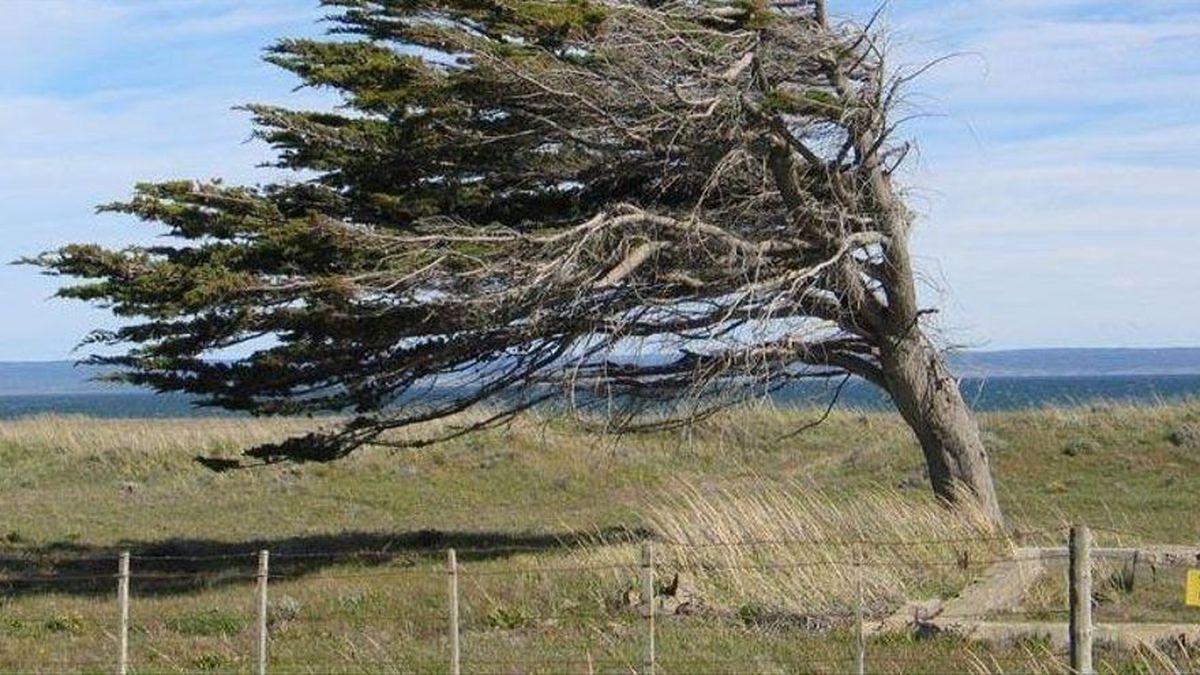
(210, 662)
(752, 614)
(1079, 446)
(1186, 436)
(436, 123)
(555, 20)
(816, 102)
(457, 217)
(12, 626)
(208, 622)
(376, 78)
(758, 13)
(508, 618)
(361, 604)
(64, 623)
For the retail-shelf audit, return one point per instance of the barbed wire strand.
(466, 569)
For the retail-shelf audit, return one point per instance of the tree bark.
(928, 398)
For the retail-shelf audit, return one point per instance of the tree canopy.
(681, 200)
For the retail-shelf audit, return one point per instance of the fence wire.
(176, 570)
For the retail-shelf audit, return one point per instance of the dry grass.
(1175, 658)
(801, 550)
(128, 444)
(758, 548)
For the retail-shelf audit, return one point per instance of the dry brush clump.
(765, 550)
(1172, 656)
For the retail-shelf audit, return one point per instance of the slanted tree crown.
(666, 200)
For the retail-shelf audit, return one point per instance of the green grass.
(1151, 595)
(74, 487)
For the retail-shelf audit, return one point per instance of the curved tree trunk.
(928, 398)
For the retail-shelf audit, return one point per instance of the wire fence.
(652, 633)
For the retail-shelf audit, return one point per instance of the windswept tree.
(647, 209)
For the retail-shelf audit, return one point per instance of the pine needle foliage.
(617, 204)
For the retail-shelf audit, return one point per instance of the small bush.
(1077, 447)
(914, 480)
(360, 603)
(493, 459)
(283, 610)
(1057, 487)
(993, 441)
(752, 613)
(208, 622)
(64, 623)
(507, 618)
(210, 662)
(1186, 436)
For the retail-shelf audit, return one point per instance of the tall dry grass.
(760, 547)
(1176, 657)
(68, 435)
(82, 435)
(802, 550)
(120, 441)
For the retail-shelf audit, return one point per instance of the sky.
(1057, 183)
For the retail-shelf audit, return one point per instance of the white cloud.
(98, 95)
(1060, 194)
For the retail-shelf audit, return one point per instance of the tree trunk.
(928, 398)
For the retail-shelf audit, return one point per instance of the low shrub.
(208, 622)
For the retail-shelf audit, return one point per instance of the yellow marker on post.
(1192, 596)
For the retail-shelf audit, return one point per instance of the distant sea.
(1007, 380)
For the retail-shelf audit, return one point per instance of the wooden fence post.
(648, 595)
(1080, 599)
(860, 640)
(455, 653)
(263, 558)
(123, 622)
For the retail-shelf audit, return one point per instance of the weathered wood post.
(452, 568)
(123, 621)
(1080, 599)
(263, 557)
(860, 640)
(648, 595)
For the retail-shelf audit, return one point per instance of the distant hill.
(1077, 362)
(23, 378)
(27, 378)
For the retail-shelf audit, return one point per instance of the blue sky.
(1058, 184)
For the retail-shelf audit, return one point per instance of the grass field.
(548, 521)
